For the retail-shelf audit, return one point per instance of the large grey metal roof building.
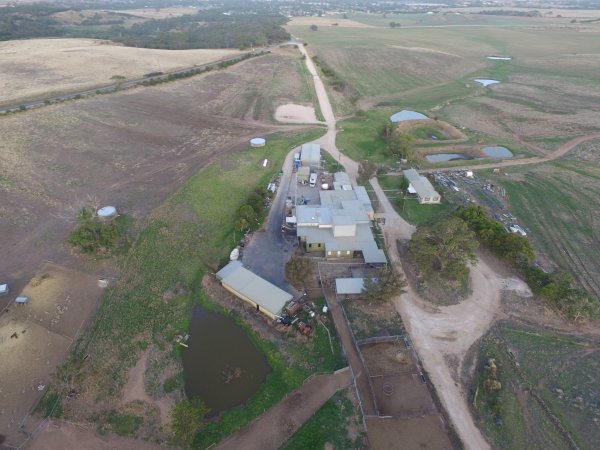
(341, 225)
(257, 291)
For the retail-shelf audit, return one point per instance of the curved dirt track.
(441, 331)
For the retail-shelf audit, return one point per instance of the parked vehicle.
(312, 181)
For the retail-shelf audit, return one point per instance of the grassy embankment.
(360, 139)
(547, 382)
(327, 428)
(558, 203)
(189, 234)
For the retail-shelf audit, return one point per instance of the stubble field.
(40, 67)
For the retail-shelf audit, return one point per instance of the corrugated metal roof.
(311, 153)
(248, 284)
(346, 286)
(421, 184)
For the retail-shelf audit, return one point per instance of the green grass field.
(533, 367)
(359, 137)
(559, 204)
(440, 20)
(411, 210)
(548, 89)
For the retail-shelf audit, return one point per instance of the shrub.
(92, 236)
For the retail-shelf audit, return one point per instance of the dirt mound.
(518, 286)
(291, 113)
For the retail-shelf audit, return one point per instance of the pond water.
(441, 157)
(497, 152)
(485, 82)
(500, 58)
(222, 366)
(405, 114)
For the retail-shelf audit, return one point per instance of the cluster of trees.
(251, 213)
(491, 233)
(443, 248)
(394, 24)
(510, 12)
(187, 418)
(367, 170)
(386, 286)
(561, 292)
(298, 271)
(558, 289)
(399, 145)
(209, 28)
(28, 21)
(94, 237)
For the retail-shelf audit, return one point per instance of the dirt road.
(433, 333)
(447, 330)
(328, 141)
(278, 424)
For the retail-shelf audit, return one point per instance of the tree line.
(212, 28)
(558, 288)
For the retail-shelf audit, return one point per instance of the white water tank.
(257, 142)
(107, 212)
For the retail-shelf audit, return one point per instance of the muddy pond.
(497, 152)
(441, 157)
(222, 365)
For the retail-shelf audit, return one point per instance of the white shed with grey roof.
(420, 185)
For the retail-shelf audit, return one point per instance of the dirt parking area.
(422, 433)
(291, 113)
(37, 67)
(34, 338)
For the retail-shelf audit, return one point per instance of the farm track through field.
(548, 225)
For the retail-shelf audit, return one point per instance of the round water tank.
(107, 212)
(257, 142)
